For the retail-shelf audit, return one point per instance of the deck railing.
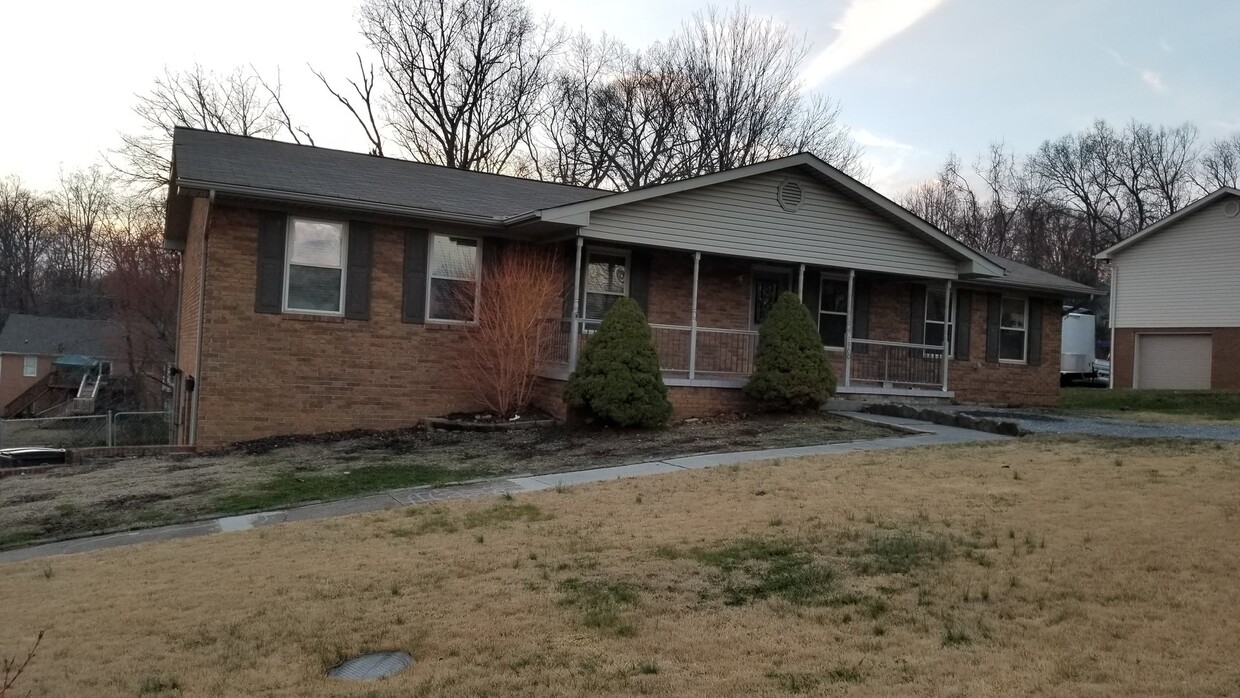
(896, 364)
(717, 352)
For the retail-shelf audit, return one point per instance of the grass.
(1098, 582)
(293, 487)
(1206, 405)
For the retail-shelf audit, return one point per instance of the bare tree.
(82, 207)
(237, 103)
(280, 114)
(465, 78)
(364, 89)
(1220, 164)
(25, 237)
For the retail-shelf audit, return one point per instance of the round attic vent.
(1231, 208)
(790, 195)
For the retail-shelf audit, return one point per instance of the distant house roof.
(60, 336)
(1025, 277)
(273, 170)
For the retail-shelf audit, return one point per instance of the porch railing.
(719, 352)
(896, 364)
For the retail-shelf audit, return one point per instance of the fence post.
(108, 430)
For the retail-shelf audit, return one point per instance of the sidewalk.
(920, 434)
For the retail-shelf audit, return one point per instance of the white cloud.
(865, 26)
(872, 140)
(1154, 79)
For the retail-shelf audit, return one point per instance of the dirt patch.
(282, 471)
(1038, 566)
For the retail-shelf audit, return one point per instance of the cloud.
(872, 140)
(1154, 79)
(864, 26)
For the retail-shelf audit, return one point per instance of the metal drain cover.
(375, 665)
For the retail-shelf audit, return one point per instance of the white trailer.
(1077, 361)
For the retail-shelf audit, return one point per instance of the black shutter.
(639, 278)
(994, 314)
(413, 301)
(269, 289)
(917, 314)
(357, 280)
(811, 293)
(964, 312)
(1035, 332)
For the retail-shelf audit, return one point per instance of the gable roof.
(274, 170)
(976, 263)
(1022, 276)
(60, 336)
(1221, 193)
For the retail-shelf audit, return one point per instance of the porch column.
(801, 284)
(848, 329)
(575, 325)
(949, 313)
(693, 307)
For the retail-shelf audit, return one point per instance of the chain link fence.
(86, 431)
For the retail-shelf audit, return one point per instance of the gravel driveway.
(1052, 422)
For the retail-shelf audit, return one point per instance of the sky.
(916, 79)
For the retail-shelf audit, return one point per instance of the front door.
(767, 285)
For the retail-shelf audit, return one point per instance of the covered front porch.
(705, 312)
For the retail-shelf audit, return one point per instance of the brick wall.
(1224, 373)
(13, 381)
(265, 374)
(979, 381)
(686, 401)
(723, 291)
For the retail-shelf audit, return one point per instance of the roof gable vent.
(790, 195)
(1231, 208)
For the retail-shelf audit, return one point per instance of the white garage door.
(1174, 361)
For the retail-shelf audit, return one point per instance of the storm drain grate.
(375, 665)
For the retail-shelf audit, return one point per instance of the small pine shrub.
(617, 380)
(791, 371)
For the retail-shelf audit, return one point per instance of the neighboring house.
(1175, 299)
(317, 285)
(32, 348)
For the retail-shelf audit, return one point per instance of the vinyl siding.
(1187, 275)
(742, 218)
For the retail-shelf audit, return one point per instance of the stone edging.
(946, 418)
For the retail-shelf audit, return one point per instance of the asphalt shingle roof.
(60, 336)
(1025, 276)
(217, 158)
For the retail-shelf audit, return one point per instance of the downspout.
(202, 300)
(1111, 319)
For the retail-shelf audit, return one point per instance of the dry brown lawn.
(1041, 566)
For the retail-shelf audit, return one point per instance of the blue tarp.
(76, 361)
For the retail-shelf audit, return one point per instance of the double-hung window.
(940, 319)
(314, 266)
(454, 279)
(1013, 329)
(30, 366)
(833, 310)
(607, 281)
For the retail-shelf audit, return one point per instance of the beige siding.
(1187, 275)
(742, 218)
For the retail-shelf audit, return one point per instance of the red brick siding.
(13, 381)
(977, 380)
(1224, 373)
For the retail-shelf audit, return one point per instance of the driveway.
(1057, 422)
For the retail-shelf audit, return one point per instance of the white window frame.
(949, 321)
(753, 286)
(833, 276)
(430, 267)
(288, 262)
(1024, 351)
(27, 370)
(585, 278)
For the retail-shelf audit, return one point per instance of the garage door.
(1174, 361)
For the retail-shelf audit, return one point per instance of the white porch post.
(949, 313)
(801, 284)
(575, 325)
(693, 312)
(848, 329)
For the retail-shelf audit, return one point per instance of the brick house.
(315, 281)
(1175, 313)
(44, 359)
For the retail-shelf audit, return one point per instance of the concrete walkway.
(919, 434)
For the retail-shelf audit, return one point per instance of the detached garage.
(1175, 300)
(1174, 361)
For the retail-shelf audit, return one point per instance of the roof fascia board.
(980, 265)
(1109, 253)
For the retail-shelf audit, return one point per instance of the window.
(1013, 324)
(314, 267)
(607, 281)
(768, 284)
(833, 311)
(940, 318)
(453, 278)
(30, 366)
